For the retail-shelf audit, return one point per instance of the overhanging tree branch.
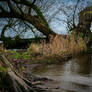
(35, 8)
(39, 23)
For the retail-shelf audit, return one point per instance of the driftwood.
(19, 84)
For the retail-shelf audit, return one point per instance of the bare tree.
(29, 12)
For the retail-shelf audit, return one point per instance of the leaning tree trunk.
(46, 30)
(13, 81)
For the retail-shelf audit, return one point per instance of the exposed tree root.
(16, 81)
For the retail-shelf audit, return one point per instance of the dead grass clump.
(34, 49)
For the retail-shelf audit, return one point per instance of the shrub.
(18, 55)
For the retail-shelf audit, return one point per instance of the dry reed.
(59, 45)
(64, 45)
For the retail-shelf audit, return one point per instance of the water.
(74, 75)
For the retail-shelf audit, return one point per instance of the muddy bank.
(47, 84)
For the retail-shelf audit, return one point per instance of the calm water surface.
(74, 75)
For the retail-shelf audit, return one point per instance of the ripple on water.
(73, 76)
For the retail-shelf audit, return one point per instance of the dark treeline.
(19, 43)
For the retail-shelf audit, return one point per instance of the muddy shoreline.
(42, 83)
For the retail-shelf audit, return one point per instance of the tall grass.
(64, 45)
(59, 45)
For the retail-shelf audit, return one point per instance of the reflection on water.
(72, 76)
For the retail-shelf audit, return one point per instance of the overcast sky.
(56, 25)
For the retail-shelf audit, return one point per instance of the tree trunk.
(85, 19)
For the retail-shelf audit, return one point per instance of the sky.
(55, 24)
